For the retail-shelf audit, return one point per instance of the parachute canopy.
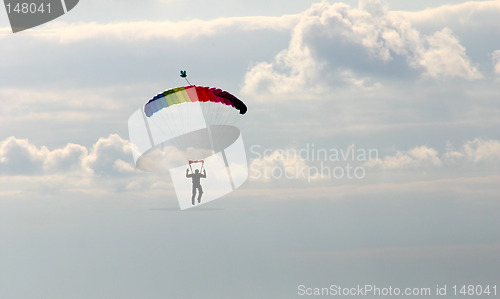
(191, 94)
(184, 124)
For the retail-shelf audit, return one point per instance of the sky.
(372, 138)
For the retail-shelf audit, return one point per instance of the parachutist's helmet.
(196, 171)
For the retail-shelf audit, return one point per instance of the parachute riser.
(210, 139)
(197, 161)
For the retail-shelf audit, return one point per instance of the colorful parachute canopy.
(197, 161)
(192, 94)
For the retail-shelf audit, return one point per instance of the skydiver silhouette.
(195, 178)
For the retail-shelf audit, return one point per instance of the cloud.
(477, 152)
(334, 45)
(280, 165)
(495, 57)
(107, 166)
(471, 14)
(48, 103)
(161, 159)
(145, 30)
(18, 156)
(445, 56)
(421, 156)
(66, 159)
(109, 156)
(482, 150)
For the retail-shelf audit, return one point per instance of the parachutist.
(195, 178)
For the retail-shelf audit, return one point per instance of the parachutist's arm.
(204, 173)
(187, 171)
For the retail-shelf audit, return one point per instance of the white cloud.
(331, 40)
(421, 156)
(495, 57)
(123, 167)
(108, 156)
(280, 165)
(145, 30)
(477, 151)
(482, 150)
(133, 186)
(65, 159)
(108, 166)
(445, 56)
(481, 155)
(297, 69)
(160, 159)
(287, 164)
(59, 103)
(472, 14)
(452, 156)
(18, 156)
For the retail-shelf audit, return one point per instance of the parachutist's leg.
(200, 192)
(194, 195)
